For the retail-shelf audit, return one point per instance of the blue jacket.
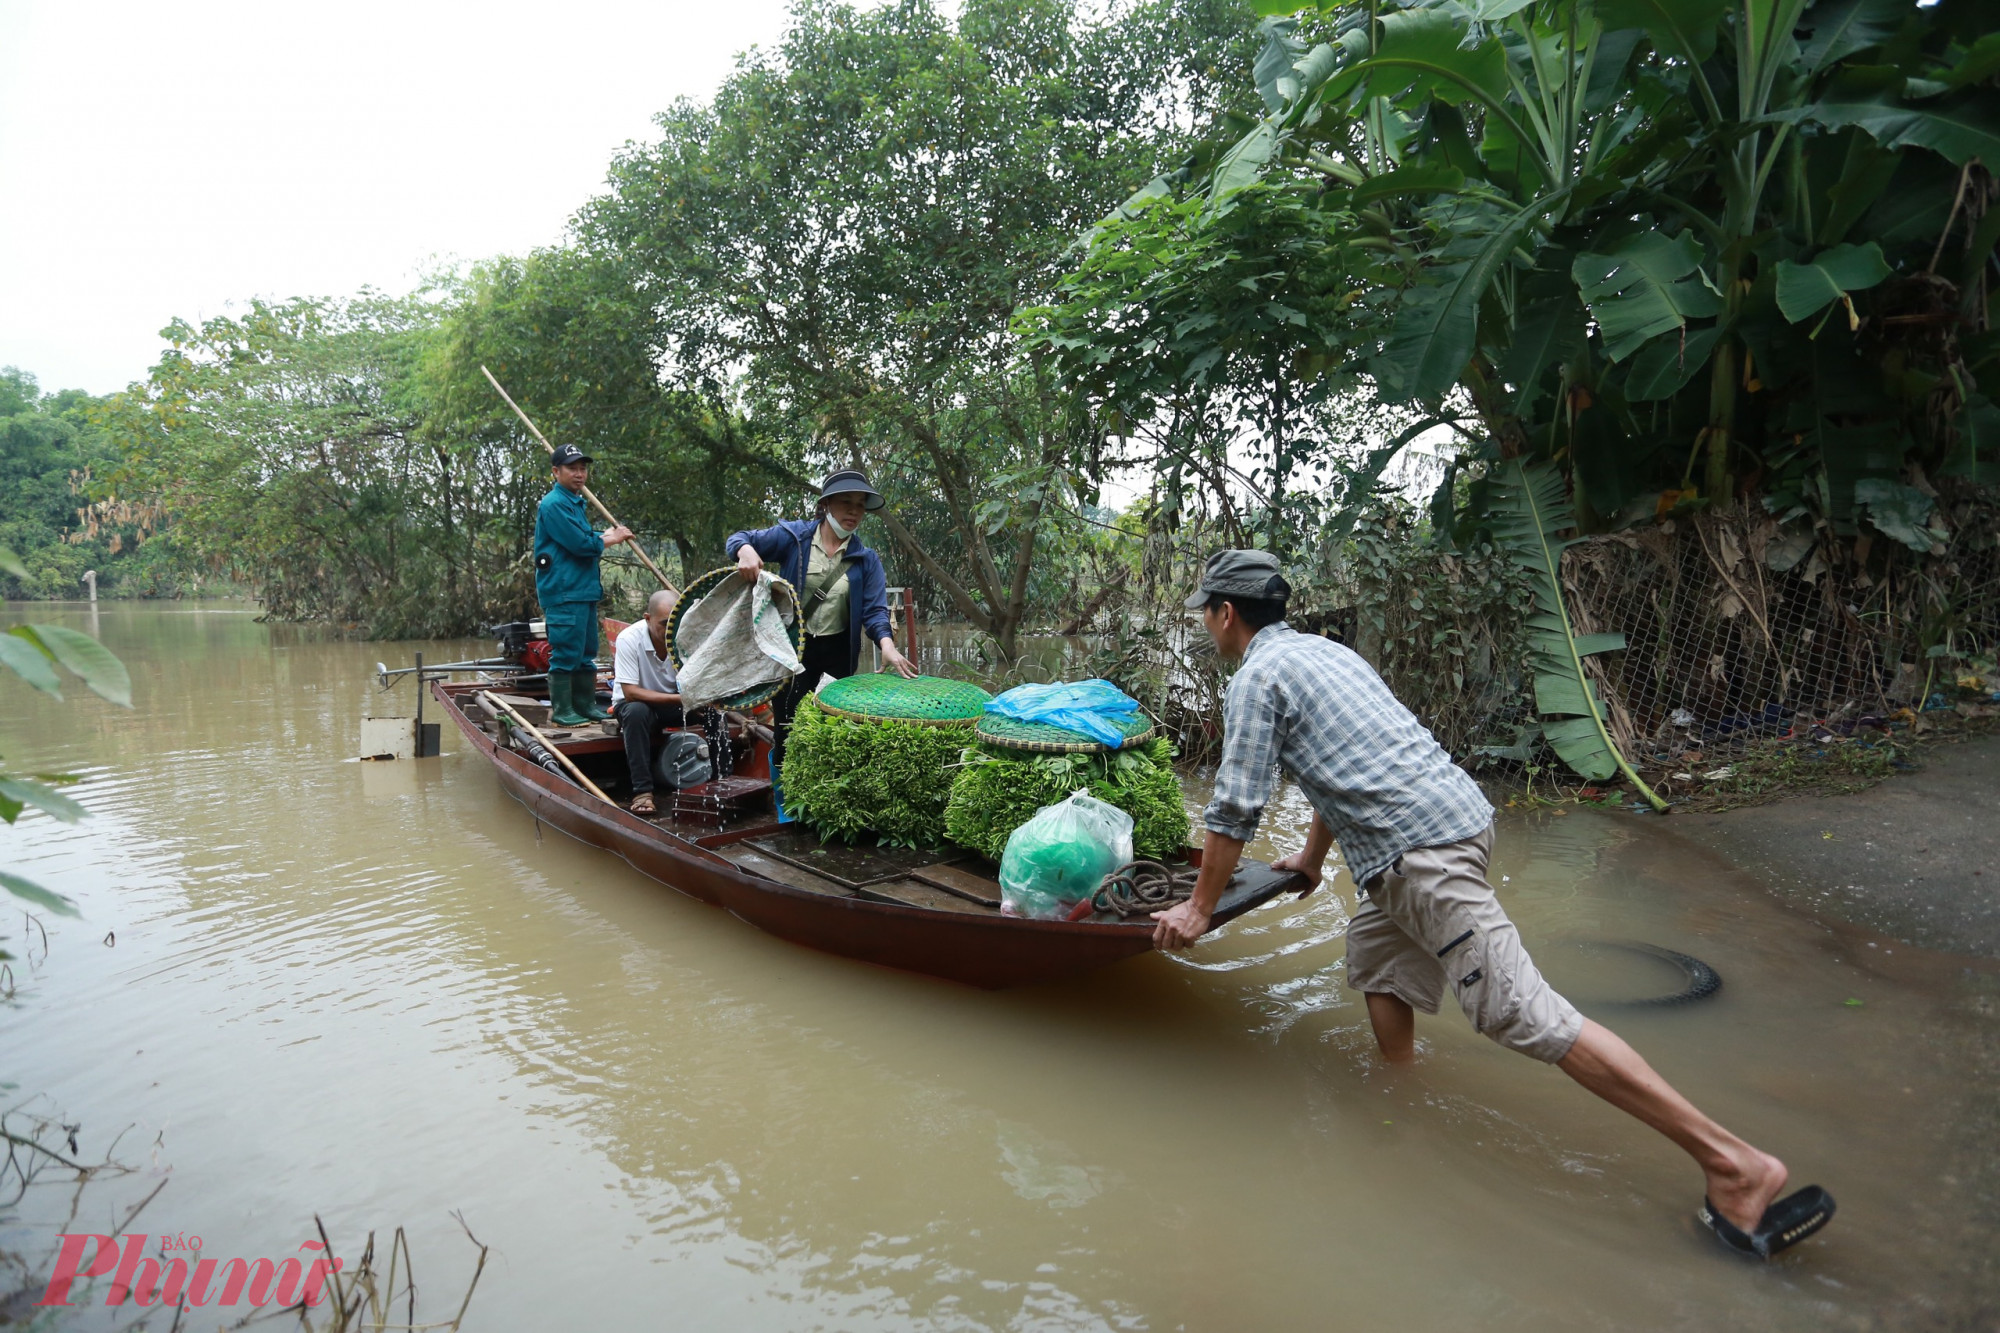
(566, 550)
(788, 547)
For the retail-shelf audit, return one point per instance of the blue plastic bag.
(1091, 707)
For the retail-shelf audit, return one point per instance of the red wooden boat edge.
(977, 948)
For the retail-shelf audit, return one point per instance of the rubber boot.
(562, 701)
(584, 694)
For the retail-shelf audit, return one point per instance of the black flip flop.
(1784, 1224)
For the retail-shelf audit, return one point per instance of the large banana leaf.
(1644, 286)
(1842, 27)
(1437, 325)
(1526, 508)
(1806, 289)
(1959, 127)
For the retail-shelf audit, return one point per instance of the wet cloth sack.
(735, 639)
(1060, 856)
(1095, 708)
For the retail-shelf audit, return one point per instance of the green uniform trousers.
(572, 635)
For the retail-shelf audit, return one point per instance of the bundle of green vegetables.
(998, 790)
(849, 778)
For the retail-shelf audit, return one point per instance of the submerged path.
(1916, 860)
(1916, 857)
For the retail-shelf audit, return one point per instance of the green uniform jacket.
(566, 551)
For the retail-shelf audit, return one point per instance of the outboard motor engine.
(682, 761)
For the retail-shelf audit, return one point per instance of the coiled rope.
(1141, 887)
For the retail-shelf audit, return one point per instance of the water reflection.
(379, 992)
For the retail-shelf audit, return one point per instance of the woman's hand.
(895, 660)
(748, 563)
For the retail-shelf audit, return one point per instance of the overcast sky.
(170, 159)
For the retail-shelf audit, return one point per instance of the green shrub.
(847, 779)
(997, 791)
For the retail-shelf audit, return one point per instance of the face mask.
(838, 530)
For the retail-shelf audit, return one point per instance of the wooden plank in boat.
(536, 711)
(719, 801)
(582, 740)
(852, 865)
(1253, 885)
(770, 867)
(915, 893)
(963, 882)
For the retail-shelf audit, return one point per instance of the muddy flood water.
(303, 985)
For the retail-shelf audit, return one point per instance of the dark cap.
(850, 481)
(1241, 574)
(569, 453)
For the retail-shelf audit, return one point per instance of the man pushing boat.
(1417, 832)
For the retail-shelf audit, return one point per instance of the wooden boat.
(935, 912)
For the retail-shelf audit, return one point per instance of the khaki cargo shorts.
(1431, 921)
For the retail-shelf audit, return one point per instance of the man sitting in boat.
(645, 696)
(840, 584)
(1417, 832)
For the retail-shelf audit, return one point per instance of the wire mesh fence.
(1739, 630)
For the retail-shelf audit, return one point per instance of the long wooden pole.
(609, 517)
(502, 706)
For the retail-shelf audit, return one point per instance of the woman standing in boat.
(843, 593)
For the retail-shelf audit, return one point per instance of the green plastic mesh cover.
(1010, 733)
(885, 696)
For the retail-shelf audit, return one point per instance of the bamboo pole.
(609, 517)
(501, 706)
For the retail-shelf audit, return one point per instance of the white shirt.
(633, 662)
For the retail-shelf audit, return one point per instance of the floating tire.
(1700, 981)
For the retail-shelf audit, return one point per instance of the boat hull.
(990, 951)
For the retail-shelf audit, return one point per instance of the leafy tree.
(293, 448)
(54, 512)
(1218, 341)
(849, 225)
(567, 333)
(1660, 238)
(1685, 251)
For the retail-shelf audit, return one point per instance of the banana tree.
(1683, 251)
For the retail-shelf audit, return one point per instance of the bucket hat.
(850, 481)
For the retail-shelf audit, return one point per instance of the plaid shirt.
(1380, 781)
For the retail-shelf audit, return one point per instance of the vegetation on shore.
(56, 515)
(1707, 282)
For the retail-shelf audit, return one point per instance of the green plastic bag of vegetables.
(995, 791)
(1060, 856)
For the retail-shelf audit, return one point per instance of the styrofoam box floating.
(388, 737)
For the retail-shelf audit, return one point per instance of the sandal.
(642, 804)
(1784, 1224)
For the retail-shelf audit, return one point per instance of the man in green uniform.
(566, 583)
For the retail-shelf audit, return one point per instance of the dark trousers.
(638, 725)
(825, 655)
(572, 628)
